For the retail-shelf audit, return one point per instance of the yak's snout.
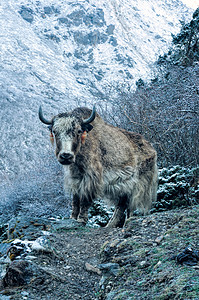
(66, 158)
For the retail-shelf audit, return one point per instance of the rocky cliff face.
(89, 43)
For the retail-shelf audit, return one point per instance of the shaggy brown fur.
(112, 163)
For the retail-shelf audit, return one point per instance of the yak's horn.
(92, 116)
(42, 119)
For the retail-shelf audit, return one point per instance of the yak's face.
(69, 131)
(68, 136)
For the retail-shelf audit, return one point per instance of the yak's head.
(69, 130)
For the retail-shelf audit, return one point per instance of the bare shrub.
(166, 113)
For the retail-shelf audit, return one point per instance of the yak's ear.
(87, 127)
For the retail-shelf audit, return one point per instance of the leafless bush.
(166, 113)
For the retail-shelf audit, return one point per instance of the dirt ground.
(61, 273)
(135, 262)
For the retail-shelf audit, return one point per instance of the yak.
(103, 161)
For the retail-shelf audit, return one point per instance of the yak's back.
(118, 146)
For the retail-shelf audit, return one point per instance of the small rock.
(27, 14)
(17, 274)
(159, 239)
(93, 269)
(188, 257)
(144, 264)
(127, 234)
(110, 268)
(42, 243)
(67, 267)
(158, 264)
(24, 293)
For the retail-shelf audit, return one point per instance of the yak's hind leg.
(144, 192)
(118, 218)
(75, 207)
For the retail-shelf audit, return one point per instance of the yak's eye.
(79, 131)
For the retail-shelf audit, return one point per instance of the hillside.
(137, 262)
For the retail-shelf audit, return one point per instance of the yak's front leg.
(85, 203)
(118, 217)
(75, 207)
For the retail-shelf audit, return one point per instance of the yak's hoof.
(82, 221)
(111, 225)
(73, 217)
(115, 224)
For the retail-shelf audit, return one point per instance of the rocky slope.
(57, 259)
